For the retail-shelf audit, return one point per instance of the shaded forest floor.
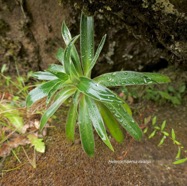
(133, 163)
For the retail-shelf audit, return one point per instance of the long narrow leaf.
(111, 123)
(74, 54)
(178, 153)
(97, 121)
(72, 117)
(44, 75)
(98, 51)
(86, 41)
(56, 68)
(61, 75)
(180, 161)
(127, 108)
(124, 78)
(66, 35)
(85, 128)
(54, 89)
(96, 91)
(125, 120)
(68, 64)
(67, 92)
(173, 136)
(40, 92)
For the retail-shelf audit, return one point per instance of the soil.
(133, 163)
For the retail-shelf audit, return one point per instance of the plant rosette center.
(94, 106)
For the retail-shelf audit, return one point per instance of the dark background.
(142, 35)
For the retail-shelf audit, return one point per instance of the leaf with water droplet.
(62, 96)
(44, 75)
(87, 42)
(56, 68)
(96, 91)
(40, 92)
(124, 78)
(72, 117)
(74, 54)
(97, 121)
(53, 90)
(101, 44)
(69, 66)
(111, 123)
(125, 120)
(58, 71)
(85, 128)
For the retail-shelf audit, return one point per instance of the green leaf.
(154, 120)
(85, 128)
(175, 100)
(178, 153)
(152, 134)
(86, 41)
(145, 130)
(157, 127)
(165, 95)
(38, 143)
(165, 133)
(111, 123)
(58, 73)
(40, 92)
(173, 134)
(53, 90)
(4, 68)
(66, 33)
(96, 91)
(125, 120)
(182, 88)
(70, 69)
(177, 142)
(72, 117)
(163, 125)
(97, 121)
(171, 89)
(180, 161)
(124, 78)
(56, 68)
(162, 141)
(13, 115)
(74, 54)
(127, 108)
(98, 51)
(44, 76)
(62, 96)
(60, 55)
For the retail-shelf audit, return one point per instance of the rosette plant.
(93, 106)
